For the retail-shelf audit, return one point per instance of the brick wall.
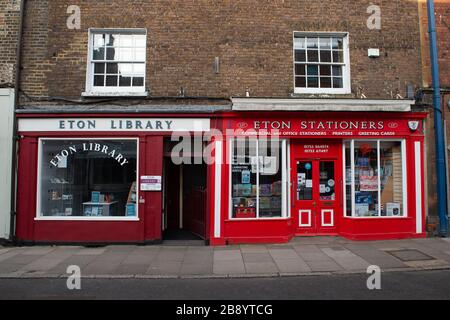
(9, 28)
(442, 13)
(252, 38)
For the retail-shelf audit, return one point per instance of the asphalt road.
(402, 285)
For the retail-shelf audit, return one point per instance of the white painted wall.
(6, 132)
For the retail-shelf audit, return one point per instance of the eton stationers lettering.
(92, 147)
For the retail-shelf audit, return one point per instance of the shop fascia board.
(267, 104)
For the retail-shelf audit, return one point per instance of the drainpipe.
(439, 132)
(12, 231)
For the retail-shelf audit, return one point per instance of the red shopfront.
(85, 178)
(356, 175)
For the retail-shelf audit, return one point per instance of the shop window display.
(257, 178)
(377, 172)
(88, 178)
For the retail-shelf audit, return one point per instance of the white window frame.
(346, 89)
(39, 217)
(405, 213)
(91, 90)
(285, 174)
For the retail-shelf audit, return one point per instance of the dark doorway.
(184, 211)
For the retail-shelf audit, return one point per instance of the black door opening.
(184, 211)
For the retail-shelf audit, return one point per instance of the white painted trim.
(230, 177)
(284, 180)
(322, 213)
(379, 176)
(418, 174)
(344, 181)
(352, 159)
(289, 195)
(218, 188)
(180, 197)
(300, 224)
(38, 216)
(405, 212)
(297, 104)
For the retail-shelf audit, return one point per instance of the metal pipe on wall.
(438, 124)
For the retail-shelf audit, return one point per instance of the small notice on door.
(151, 183)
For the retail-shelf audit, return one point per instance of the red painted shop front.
(356, 175)
(109, 179)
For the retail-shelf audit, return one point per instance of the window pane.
(99, 81)
(300, 55)
(325, 56)
(313, 70)
(99, 40)
(338, 56)
(111, 81)
(299, 69)
(112, 54)
(126, 40)
(270, 178)
(313, 55)
(325, 43)
(138, 81)
(327, 181)
(337, 43)
(112, 68)
(338, 83)
(140, 41)
(126, 69)
(313, 82)
(126, 54)
(98, 54)
(243, 177)
(82, 178)
(139, 68)
(337, 71)
(325, 70)
(299, 43)
(99, 68)
(325, 82)
(124, 81)
(140, 54)
(391, 178)
(304, 180)
(300, 82)
(312, 43)
(112, 40)
(366, 179)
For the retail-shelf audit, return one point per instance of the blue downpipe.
(438, 124)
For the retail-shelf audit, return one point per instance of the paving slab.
(228, 267)
(346, 259)
(257, 257)
(324, 266)
(253, 249)
(227, 255)
(164, 268)
(283, 254)
(196, 268)
(261, 268)
(292, 265)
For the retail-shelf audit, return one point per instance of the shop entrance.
(317, 181)
(184, 211)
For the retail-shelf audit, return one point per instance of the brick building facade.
(299, 66)
(442, 9)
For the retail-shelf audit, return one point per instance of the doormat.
(407, 255)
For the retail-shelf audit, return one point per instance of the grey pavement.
(301, 256)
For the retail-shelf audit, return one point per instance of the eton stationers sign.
(114, 124)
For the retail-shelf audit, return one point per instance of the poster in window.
(368, 183)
